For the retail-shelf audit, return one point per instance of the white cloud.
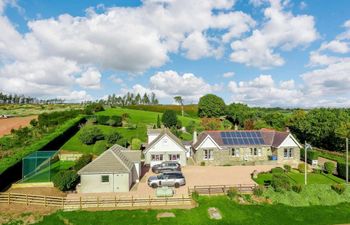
(302, 5)
(76, 96)
(281, 31)
(116, 80)
(196, 46)
(336, 46)
(91, 78)
(228, 74)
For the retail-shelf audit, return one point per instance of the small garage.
(115, 170)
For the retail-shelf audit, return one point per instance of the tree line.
(21, 99)
(131, 99)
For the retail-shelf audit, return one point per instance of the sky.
(259, 52)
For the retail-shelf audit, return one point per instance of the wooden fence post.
(45, 200)
(27, 200)
(183, 199)
(132, 200)
(9, 198)
(62, 202)
(98, 201)
(80, 202)
(149, 199)
(209, 190)
(166, 201)
(115, 201)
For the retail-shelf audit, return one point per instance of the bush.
(258, 190)
(89, 135)
(169, 118)
(297, 188)
(311, 155)
(195, 195)
(136, 144)
(211, 106)
(329, 167)
(341, 169)
(191, 127)
(339, 188)
(118, 120)
(123, 142)
(102, 119)
(82, 161)
(65, 180)
(301, 167)
(202, 163)
(277, 170)
(113, 137)
(232, 193)
(280, 182)
(99, 147)
(287, 168)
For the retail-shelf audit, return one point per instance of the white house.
(164, 146)
(115, 170)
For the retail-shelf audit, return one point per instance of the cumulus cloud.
(228, 74)
(91, 78)
(115, 79)
(76, 96)
(281, 31)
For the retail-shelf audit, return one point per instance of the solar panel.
(242, 138)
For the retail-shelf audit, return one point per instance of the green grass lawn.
(232, 214)
(47, 173)
(298, 178)
(141, 119)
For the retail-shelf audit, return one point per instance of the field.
(34, 109)
(141, 120)
(231, 212)
(298, 178)
(189, 110)
(6, 125)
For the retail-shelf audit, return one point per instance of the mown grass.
(298, 178)
(141, 120)
(35, 109)
(233, 214)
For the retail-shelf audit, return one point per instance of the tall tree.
(180, 100)
(211, 106)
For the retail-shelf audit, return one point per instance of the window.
(254, 151)
(157, 157)
(208, 154)
(104, 178)
(288, 153)
(173, 157)
(235, 152)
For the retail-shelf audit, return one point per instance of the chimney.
(194, 137)
(287, 129)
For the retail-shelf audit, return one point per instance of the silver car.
(166, 166)
(168, 179)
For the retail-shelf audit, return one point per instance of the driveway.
(197, 175)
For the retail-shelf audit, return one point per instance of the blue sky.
(259, 52)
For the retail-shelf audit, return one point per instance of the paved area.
(195, 175)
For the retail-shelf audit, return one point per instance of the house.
(115, 170)
(164, 146)
(236, 147)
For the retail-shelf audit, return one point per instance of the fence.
(93, 201)
(220, 189)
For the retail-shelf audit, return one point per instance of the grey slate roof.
(271, 137)
(114, 160)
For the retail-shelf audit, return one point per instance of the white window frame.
(208, 154)
(235, 152)
(171, 158)
(288, 153)
(157, 157)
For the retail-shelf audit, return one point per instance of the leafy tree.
(210, 123)
(169, 118)
(65, 180)
(211, 106)
(227, 124)
(329, 167)
(180, 100)
(238, 113)
(113, 137)
(89, 135)
(82, 161)
(191, 127)
(136, 144)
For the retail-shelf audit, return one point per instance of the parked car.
(168, 179)
(166, 166)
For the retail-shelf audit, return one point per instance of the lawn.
(232, 213)
(142, 120)
(46, 174)
(298, 178)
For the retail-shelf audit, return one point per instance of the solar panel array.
(242, 138)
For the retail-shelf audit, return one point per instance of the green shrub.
(301, 167)
(123, 142)
(102, 119)
(232, 193)
(329, 167)
(287, 168)
(339, 188)
(169, 118)
(118, 120)
(318, 171)
(311, 155)
(195, 195)
(82, 161)
(99, 147)
(65, 180)
(277, 170)
(136, 144)
(202, 163)
(280, 182)
(113, 137)
(258, 190)
(89, 135)
(297, 188)
(341, 169)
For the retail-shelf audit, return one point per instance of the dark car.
(166, 166)
(175, 179)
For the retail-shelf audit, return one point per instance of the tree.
(180, 100)
(237, 113)
(210, 123)
(136, 144)
(211, 106)
(169, 118)
(159, 125)
(89, 135)
(113, 137)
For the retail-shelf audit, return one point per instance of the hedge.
(38, 145)
(109, 120)
(311, 155)
(82, 161)
(66, 180)
(341, 169)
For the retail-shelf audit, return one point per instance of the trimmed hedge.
(329, 167)
(115, 121)
(66, 180)
(277, 170)
(311, 155)
(280, 182)
(341, 169)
